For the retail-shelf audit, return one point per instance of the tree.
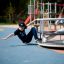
(23, 7)
(10, 12)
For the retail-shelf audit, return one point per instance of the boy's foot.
(38, 40)
(44, 39)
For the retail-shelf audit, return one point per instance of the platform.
(57, 44)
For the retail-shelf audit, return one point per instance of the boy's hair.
(22, 25)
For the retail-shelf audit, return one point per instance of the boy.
(20, 32)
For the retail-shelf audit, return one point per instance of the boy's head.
(22, 25)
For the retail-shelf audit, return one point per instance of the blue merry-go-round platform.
(13, 51)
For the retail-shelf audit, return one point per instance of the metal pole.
(34, 9)
(50, 16)
(30, 11)
(42, 22)
(55, 13)
(55, 7)
(42, 10)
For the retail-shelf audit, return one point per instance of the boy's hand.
(10, 35)
(3, 38)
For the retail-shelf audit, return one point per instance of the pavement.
(13, 51)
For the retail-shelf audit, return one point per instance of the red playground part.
(27, 20)
(29, 17)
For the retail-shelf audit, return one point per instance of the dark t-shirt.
(21, 35)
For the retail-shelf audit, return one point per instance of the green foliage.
(23, 7)
(10, 13)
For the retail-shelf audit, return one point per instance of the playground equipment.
(50, 44)
(46, 10)
(30, 17)
(41, 13)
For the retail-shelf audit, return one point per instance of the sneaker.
(38, 40)
(44, 39)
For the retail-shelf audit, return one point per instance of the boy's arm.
(10, 35)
